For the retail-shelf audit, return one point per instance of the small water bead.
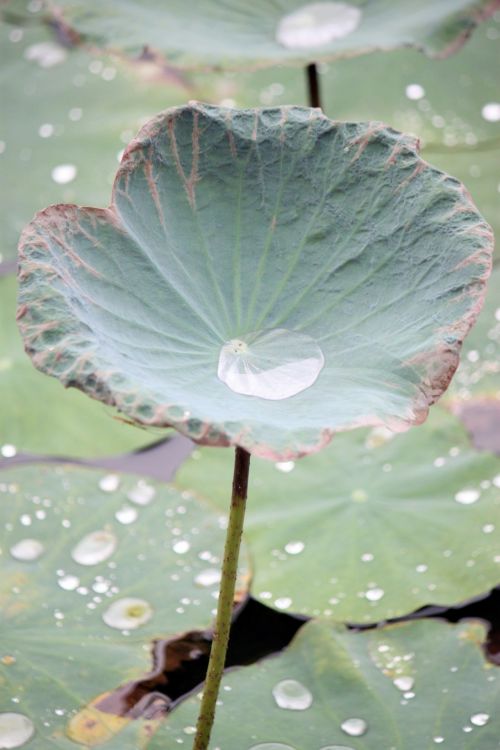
(181, 547)
(8, 450)
(94, 548)
(491, 112)
(128, 613)
(27, 550)
(292, 695)
(415, 91)
(467, 497)
(142, 494)
(374, 595)
(404, 683)
(126, 515)
(438, 740)
(354, 727)
(294, 548)
(283, 602)
(285, 466)
(15, 730)
(208, 577)
(45, 54)
(479, 720)
(109, 483)
(69, 582)
(317, 24)
(64, 173)
(272, 364)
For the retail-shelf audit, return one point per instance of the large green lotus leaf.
(60, 116)
(263, 277)
(74, 548)
(238, 34)
(329, 676)
(372, 527)
(446, 104)
(38, 416)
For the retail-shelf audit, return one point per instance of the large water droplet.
(354, 727)
(94, 548)
(479, 720)
(127, 613)
(15, 730)
(491, 112)
(126, 515)
(316, 24)
(293, 695)
(273, 364)
(27, 550)
(8, 450)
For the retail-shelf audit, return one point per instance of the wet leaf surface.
(374, 526)
(349, 318)
(37, 415)
(95, 566)
(284, 31)
(409, 686)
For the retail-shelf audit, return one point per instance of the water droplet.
(467, 497)
(438, 740)
(45, 54)
(479, 720)
(126, 515)
(109, 483)
(142, 493)
(404, 683)
(491, 112)
(415, 91)
(367, 557)
(317, 24)
(94, 548)
(273, 364)
(69, 582)
(354, 727)
(292, 695)
(46, 130)
(75, 114)
(181, 547)
(283, 602)
(15, 730)
(294, 548)
(488, 528)
(8, 450)
(27, 550)
(271, 746)
(189, 730)
(64, 173)
(375, 594)
(285, 466)
(208, 577)
(127, 613)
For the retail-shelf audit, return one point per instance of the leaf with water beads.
(83, 595)
(375, 526)
(303, 240)
(247, 35)
(349, 693)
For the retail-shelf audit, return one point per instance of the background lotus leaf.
(60, 117)
(374, 526)
(57, 652)
(226, 223)
(451, 697)
(39, 416)
(261, 34)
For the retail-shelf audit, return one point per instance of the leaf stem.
(313, 86)
(226, 599)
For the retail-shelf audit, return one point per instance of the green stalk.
(226, 599)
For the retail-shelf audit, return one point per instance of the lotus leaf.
(263, 278)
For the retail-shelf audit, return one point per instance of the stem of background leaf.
(313, 86)
(226, 600)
